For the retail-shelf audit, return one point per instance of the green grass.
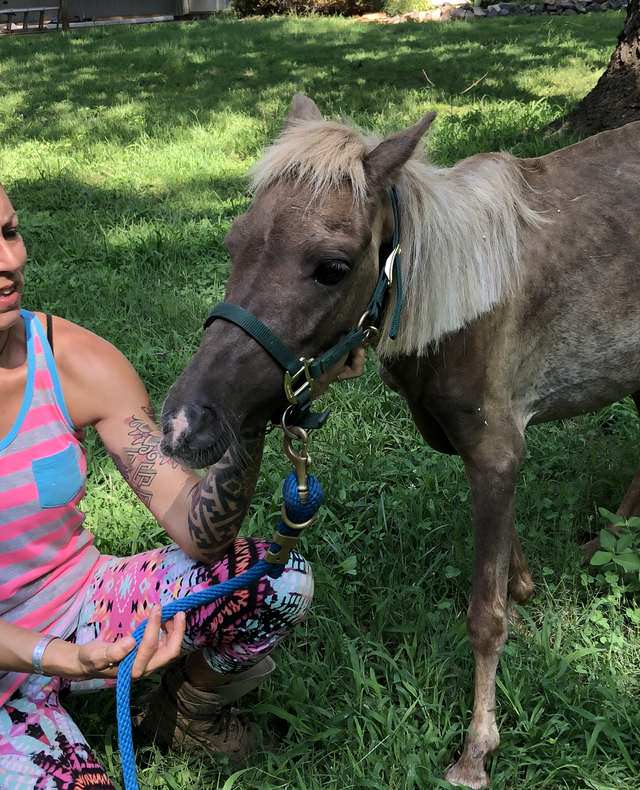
(125, 150)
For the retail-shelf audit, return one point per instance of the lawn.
(125, 151)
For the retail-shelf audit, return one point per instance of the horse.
(522, 285)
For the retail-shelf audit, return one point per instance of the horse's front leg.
(492, 468)
(521, 586)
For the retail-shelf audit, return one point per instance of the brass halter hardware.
(370, 330)
(295, 384)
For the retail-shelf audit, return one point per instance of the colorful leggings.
(41, 748)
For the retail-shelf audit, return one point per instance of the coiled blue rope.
(297, 511)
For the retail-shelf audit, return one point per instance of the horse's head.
(305, 262)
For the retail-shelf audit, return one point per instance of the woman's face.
(13, 259)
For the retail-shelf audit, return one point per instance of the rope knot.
(298, 511)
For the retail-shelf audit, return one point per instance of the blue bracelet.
(38, 653)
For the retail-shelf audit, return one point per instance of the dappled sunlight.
(241, 68)
(568, 83)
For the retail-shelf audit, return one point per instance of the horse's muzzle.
(195, 434)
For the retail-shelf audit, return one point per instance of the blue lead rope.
(297, 512)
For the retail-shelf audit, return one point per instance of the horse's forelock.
(324, 155)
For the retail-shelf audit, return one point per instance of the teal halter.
(300, 372)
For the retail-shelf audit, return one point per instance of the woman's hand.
(350, 367)
(354, 366)
(160, 645)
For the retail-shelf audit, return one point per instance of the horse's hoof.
(468, 774)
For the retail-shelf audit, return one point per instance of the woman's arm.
(159, 646)
(201, 514)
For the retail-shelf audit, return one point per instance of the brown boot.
(180, 716)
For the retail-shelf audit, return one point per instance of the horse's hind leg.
(630, 505)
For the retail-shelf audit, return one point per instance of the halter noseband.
(300, 372)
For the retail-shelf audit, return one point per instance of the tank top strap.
(47, 388)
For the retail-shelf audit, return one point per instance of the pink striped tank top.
(46, 555)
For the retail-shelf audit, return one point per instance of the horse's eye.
(331, 272)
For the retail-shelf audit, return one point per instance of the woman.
(65, 610)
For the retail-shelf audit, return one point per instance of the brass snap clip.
(299, 457)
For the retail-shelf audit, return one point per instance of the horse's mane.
(461, 226)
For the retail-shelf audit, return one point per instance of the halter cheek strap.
(299, 372)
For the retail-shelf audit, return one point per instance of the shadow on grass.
(139, 269)
(173, 74)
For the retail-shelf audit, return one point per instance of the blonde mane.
(460, 225)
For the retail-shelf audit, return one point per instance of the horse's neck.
(461, 229)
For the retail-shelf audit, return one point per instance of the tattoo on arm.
(140, 460)
(218, 504)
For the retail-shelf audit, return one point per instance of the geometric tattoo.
(219, 502)
(139, 462)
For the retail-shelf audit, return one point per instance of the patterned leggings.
(41, 748)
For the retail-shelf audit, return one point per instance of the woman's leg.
(234, 633)
(40, 746)
(226, 645)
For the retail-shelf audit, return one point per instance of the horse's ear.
(382, 164)
(302, 109)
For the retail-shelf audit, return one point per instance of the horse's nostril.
(197, 426)
(197, 415)
(192, 428)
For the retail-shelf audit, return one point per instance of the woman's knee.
(290, 595)
(284, 605)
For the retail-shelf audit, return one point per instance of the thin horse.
(522, 306)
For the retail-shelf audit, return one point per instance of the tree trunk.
(615, 100)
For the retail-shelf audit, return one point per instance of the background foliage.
(321, 7)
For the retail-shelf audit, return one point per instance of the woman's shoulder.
(70, 340)
(90, 367)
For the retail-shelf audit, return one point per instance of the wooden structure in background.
(66, 11)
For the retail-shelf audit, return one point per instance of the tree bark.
(615, 100)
